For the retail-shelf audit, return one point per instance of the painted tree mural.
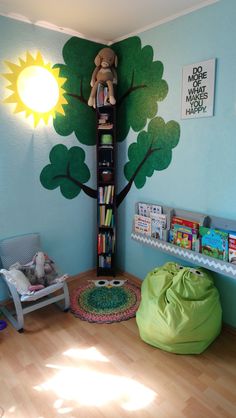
(140, 88)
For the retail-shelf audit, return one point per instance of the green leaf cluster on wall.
(140, 87)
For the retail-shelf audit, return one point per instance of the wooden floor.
(64, 367)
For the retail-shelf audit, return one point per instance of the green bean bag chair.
(180, 309)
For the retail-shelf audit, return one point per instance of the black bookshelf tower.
(106, 184)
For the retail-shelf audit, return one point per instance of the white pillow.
(18, 279)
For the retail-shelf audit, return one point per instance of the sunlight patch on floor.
(88, 354)
(82, 385)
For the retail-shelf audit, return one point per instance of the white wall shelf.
(201, 260)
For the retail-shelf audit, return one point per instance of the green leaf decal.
(79, 118)
(67, 171)
(140, 85)
(153, 150)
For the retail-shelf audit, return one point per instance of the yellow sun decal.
(37, 88)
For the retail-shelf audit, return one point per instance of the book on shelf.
(142, 224)
(184, 240)
(144, 209)
(156, 209)
(104, 261)
(102, 98)
(105, 216)
(101, 215)
(214, 243)
(106, 195)
(105, 125)
(103, 117)
(159, 217)
(110, 193)
(156, 229)
(185, 222)
(232, 247)
(105, 243)
(108, 217)
(184, 236)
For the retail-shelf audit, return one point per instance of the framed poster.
(198, 85)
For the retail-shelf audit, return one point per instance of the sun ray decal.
(36, 88)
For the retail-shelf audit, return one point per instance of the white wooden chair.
(22, 249)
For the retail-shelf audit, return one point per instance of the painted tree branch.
(130, 90)
(81, 96)
(87, 190)
(120, 197)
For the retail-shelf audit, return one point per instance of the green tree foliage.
(140, 88)
(79, 118)
(152, 151)
(67, 171)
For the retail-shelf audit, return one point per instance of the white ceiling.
(101, 20)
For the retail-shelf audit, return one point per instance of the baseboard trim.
(229, 328)
(83, 275)
(131, 277)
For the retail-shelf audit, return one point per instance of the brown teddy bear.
(104, 73)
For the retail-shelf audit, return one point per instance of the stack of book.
(106, 195)
(104, 261)
(102, 96)
(105, 216)
(184, 232)
(103, 121)
(105, 243)
(150, 220)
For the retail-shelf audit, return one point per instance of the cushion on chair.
(41, 293)
(19, 249)
(17, 279)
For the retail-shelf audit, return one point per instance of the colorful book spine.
(232, 248)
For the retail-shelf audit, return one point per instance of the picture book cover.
(190, 233)
(232, 248)
(156, 209)
(214, 243)
(156, 229)
(159, 217)
(185, 222)
(142, 224)
(144, 209)
(184, 240)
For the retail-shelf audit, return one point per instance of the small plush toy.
(104, 73)
(41, 271)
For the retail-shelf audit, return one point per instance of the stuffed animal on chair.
(104, 73)
(40, 271)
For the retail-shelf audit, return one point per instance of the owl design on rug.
(108, 283)
(105, 300)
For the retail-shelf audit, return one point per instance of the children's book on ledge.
(184, 232)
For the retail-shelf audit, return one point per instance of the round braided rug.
(105, 304)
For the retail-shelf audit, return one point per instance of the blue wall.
(201, 176)
(67, 227)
